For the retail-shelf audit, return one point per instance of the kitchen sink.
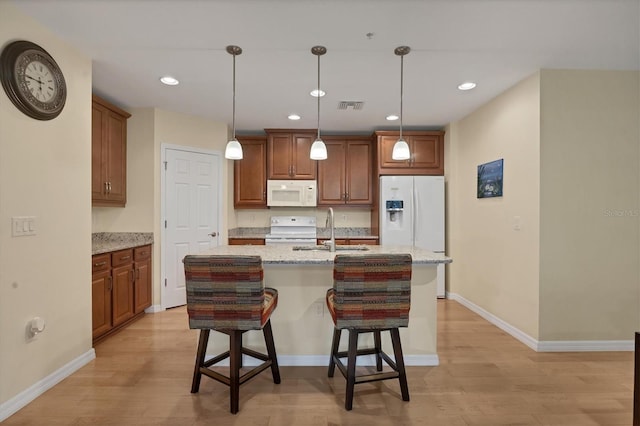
(326, 248)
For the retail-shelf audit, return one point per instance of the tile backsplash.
(346, 217)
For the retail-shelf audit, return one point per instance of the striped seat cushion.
(227, 292)
(370, 291)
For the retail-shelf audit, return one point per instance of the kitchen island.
(302, 325)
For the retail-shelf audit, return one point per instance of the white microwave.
(291, 193)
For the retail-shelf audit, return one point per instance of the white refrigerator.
(412, 213)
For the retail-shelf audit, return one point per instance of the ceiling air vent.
(355, 105)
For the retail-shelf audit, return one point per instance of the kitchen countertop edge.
(106, 242)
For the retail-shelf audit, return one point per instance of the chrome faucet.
(330, 223)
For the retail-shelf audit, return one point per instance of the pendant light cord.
(401, 90)
(318, 97)
(233, 118)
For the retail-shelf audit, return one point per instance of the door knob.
(214, 234)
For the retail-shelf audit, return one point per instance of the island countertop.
(284, 254)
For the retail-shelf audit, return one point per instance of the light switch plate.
(22, 226)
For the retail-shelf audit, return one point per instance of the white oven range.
(292, 230)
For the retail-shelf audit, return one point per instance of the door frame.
(164, 147)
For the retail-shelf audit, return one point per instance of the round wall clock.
(32, 80)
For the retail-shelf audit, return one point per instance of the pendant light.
(234, 149)
(401, 148)
(318, 148)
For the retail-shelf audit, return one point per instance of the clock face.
(32, 80)
(40, 81)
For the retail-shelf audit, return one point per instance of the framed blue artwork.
(490, 179)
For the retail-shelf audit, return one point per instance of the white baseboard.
(323, 360)
(154, 308)
(586, 346)
(14, 404)
(550, 345)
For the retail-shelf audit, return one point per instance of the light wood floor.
(142, 376)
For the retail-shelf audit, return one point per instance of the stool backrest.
(372, 291)
(224, 292)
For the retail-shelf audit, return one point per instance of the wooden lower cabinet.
(122, 295)
(351, 241)
(142, 284)
(246, 241)
(121, 288)
(101, 285)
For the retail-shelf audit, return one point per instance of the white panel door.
(191, 215)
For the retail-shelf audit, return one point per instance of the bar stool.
(370, 294)
(227, 294)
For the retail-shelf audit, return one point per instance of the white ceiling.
(495, 43)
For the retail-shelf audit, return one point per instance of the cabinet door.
(250, 174)
(358, 173)
(303, 166)
(98, 153)
(427, 154)
(142, 285)
(331, 175)
(122, 294)
(116, 143)
(101, 303)
(279, 156)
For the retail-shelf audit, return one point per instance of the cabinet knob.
(214, 234)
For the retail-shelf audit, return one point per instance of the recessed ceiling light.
(315, 92)
(467, 85)
(169, 81)
(294, 117)
(392, 117)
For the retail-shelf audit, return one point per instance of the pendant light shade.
(234, 149)
(401, 148)
(318, 148)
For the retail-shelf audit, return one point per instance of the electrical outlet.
(319, 308)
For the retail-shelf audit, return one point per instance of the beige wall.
(45, 171)
(589, 239)
(495, 266)
(571, 144)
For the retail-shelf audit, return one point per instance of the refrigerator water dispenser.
(394, 210)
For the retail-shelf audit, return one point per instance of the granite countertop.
(362, 233)
(104, 242)
(285, 255)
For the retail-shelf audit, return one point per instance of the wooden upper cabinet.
(331, 174)
(288, 154)
(427, 153)
(250, 173)
(108, 154)
(345, 177)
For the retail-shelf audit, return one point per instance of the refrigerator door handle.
(414, 213)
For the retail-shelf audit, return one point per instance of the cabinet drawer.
(142, 253)
(100, 262)
(121, 257)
